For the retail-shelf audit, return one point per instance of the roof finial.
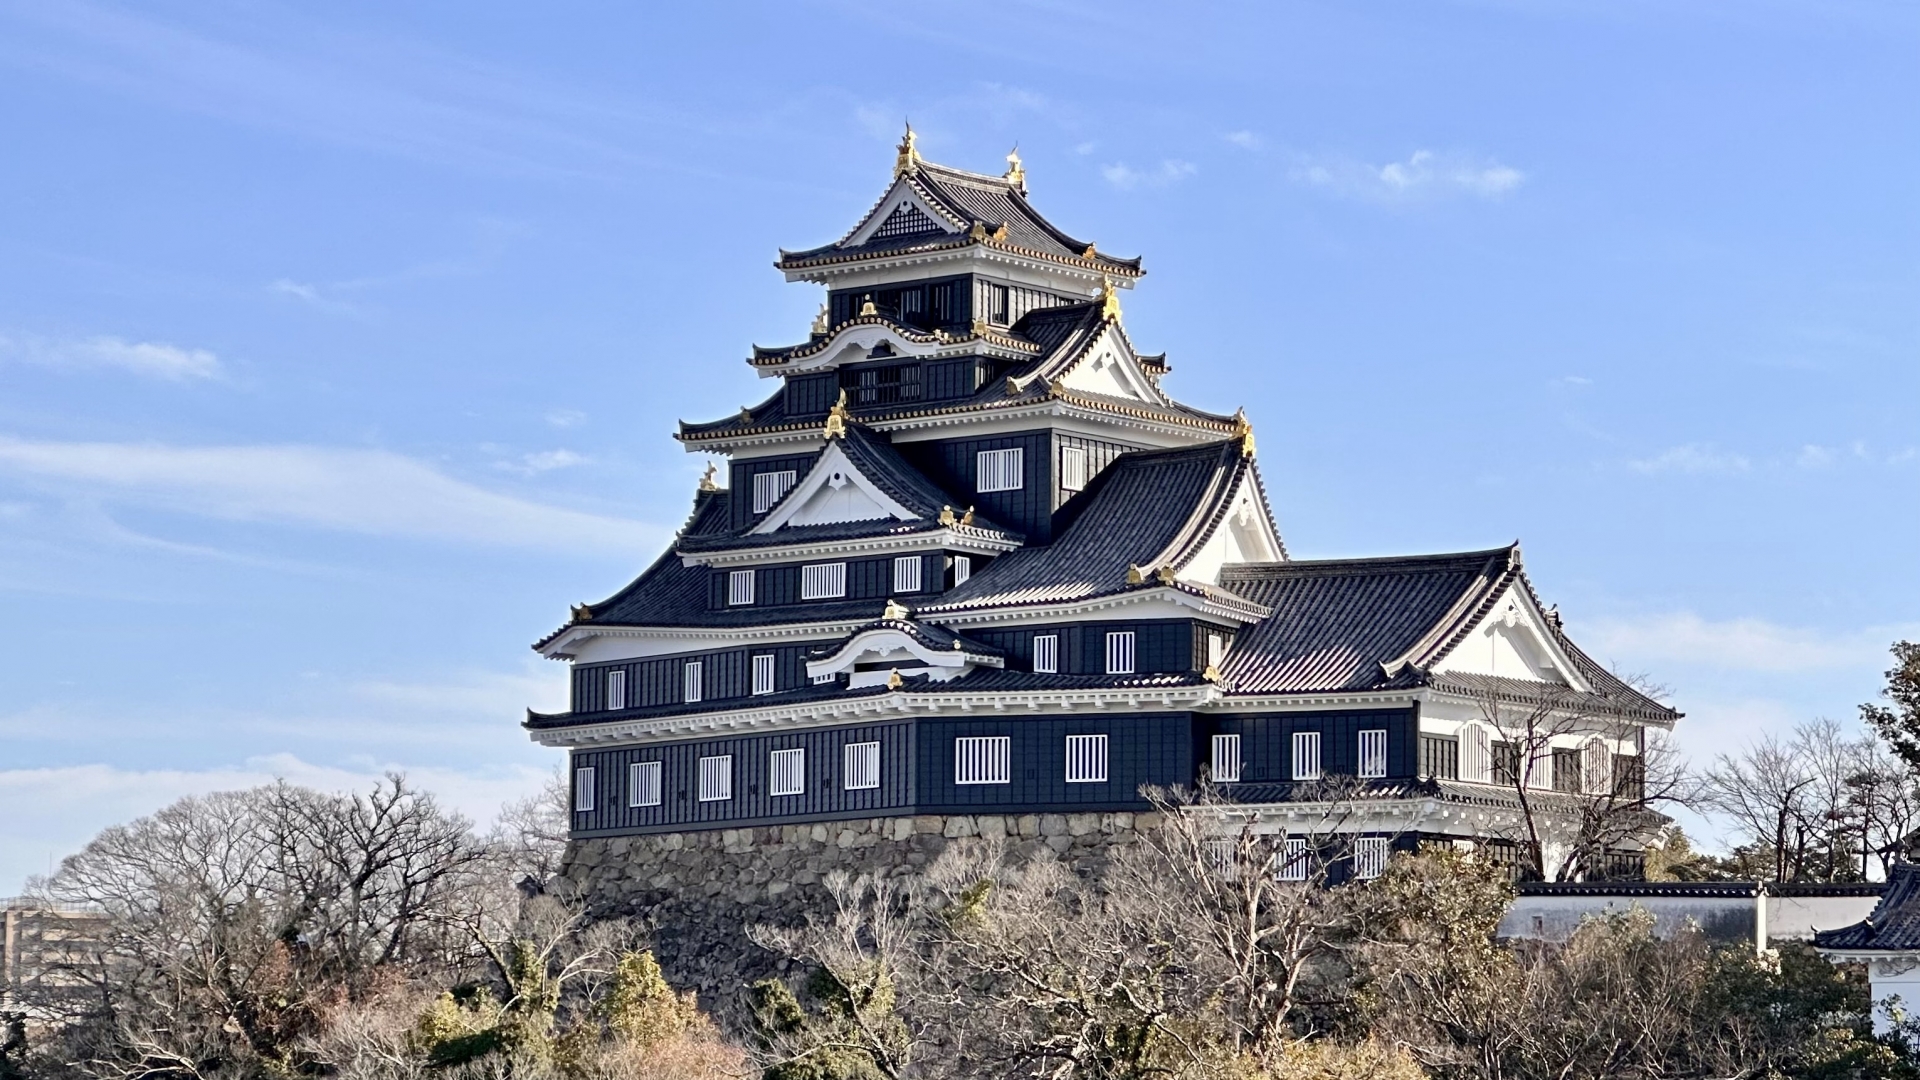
(836, 427)
(706, 479)
(582, 612)
(909, 158)
(894, 680)
(1134, 576)
(1016, 173)
(946, 516)
(967, 518)
(820, 323)
(1243, 430)
(1109, 299)
(896, 610)
(866, 306)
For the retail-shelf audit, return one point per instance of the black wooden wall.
(1154, 748)
(740, 479)
(725, 673)
(867, 579)
(953, 465)
(1266, 742)
(1100, 454)
(1159, 645)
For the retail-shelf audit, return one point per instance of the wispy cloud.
(544, 461)
(1170, 171)
(1425, 175)
(565, 418)
(1746, 644)
(1693, 458)
(1246, 140)
(152, 359)
(364, 491)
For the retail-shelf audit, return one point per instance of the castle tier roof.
(1894, 925)
(966, 199)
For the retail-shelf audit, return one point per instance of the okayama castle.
(971, 558)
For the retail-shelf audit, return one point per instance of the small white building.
(1888, 942)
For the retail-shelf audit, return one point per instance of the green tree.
(1899, 723)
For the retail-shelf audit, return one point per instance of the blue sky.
(338, 355)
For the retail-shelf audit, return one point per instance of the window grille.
(862, 767)
(1046, 652)
(716, 778)
(769, 487)
(1086, 759)
(1298, 861)
(583, 788)
(1369, 857)
(740, 587)
(998, 307)
(881, 385)
(788, 773)
(617, 689)
(906, 573)
(1226, 759)
(1306, 755)
(1596, 768)
(1120, 652)
(1506, 762)
(983, 760)
(1073, 468)
(906, 220)
(1566, 770)
(1440, 757)
(694, 683)
(1220, 857)
(823, 581)
(942, 296)
(763, 673)
(643, 783)
(1476, 754)
(1373, 754)
(962, 569)
(1216, 649)
(1001, 470)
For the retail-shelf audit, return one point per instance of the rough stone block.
(1082, 824)
(1053, 825)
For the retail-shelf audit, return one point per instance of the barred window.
(907, 219)
(583, 788)
(1001, 470)
(1226, 759)
(1298, 862)
(823, 581)
(1476, 754)
(1120, 652)
(1306, 755)
(787, 773)
(617, 689)
(740, 587)
(769, 487)
(1046, 652)
(694, 683)
(906, 573)
(983, 760)
(1373, 754)
(1216, 649)
(716, 778)
(1073, 468)
(1596, 767)
(763, 673)
(998, 306)
(862, 766)
(643, 783)
(1369, 857)
(1220, 856)
(962, 569)
(1086, 759)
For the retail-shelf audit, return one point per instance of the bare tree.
(531, 833)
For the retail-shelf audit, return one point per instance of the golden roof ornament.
(1134, 576)
(896, 610)
(967, 518)
(866, 306)
(1164, 575)
(706, 479)
(978, 232)
(820, 323)
(746, 415)
(1016, 173)
(946, 516)
(1109, 299)
(836, 426)
(1000, 234)
(1089, 253)
(1243, 431)
(909, 155)
(894, 680)
(582, 612)
(980, 327)
(1212, 674)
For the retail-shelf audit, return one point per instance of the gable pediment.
(904, 212)
(1512, 641)
(1245, 534)
(834, 492)
(873, 655)
(1108, 366)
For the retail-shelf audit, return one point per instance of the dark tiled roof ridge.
(1409, 564)
(707, 503)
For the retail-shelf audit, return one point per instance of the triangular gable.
(1245, 533)
(902, 198)
(871, 656)
(1513, 641)
(1108, 366)
(834, 491)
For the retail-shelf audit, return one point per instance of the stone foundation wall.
(700, 891)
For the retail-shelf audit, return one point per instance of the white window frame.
(1000, 470)
(716, 778)
(860, 767)
(1306, 755)
(1224, 762)
(1073, 468)
(1476, 754)
(617, 689)
(1086, 759)
(982, 759)
(693, 684)
(1216, 648)
(1370, 761)
(763, 673)
(1046, 653)
(823, 581)
(962, 569)
(1296, 860)
(1120, 654)
(1370, 854)
(787, 772)
(770, 487)
(1596, 781)
(906, 573)
(583, 793)
(646, 783)
(739, 587)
